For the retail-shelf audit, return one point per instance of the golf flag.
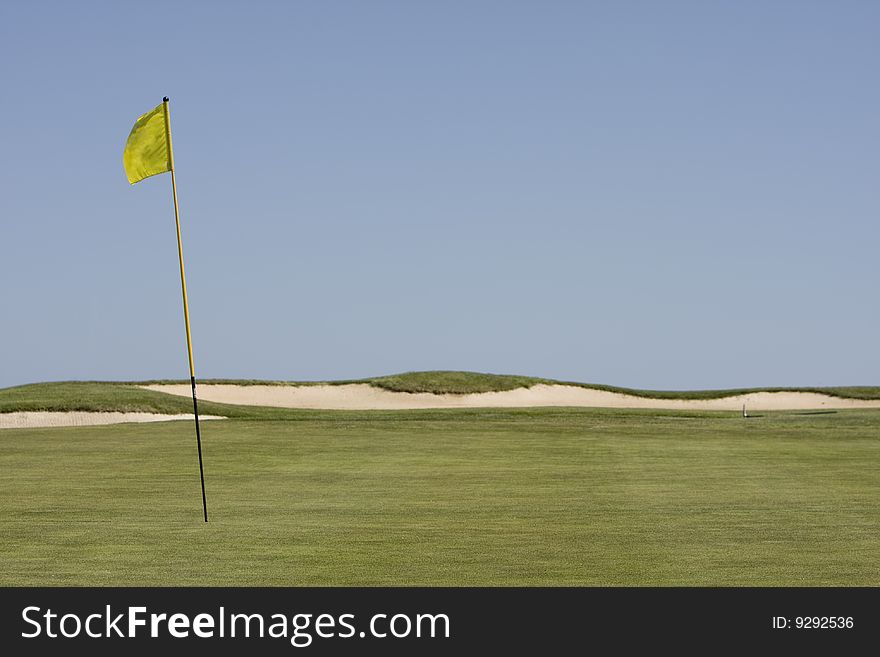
(148, 149)
(148, 152)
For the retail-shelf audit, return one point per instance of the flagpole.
(192, 371)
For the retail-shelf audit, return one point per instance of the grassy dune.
(127, 396)
(472, 382)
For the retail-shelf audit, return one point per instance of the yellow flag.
(147, 151)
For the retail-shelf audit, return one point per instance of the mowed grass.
(447, 497)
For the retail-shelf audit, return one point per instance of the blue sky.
(661, 195)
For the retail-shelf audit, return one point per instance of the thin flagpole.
(192, 371)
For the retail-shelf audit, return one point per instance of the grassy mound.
(455, 383)
(130, 397)
(98, 397)
(459, 383)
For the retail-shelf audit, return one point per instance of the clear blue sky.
(649, 194)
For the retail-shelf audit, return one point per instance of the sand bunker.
(362, 396)
(32, 419)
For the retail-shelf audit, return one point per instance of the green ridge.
(130, 397)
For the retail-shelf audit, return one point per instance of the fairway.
(552, 496)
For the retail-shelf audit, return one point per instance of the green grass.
(441, 497)
(89, 396)
(456, 383)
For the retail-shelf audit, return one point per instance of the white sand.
(32, 419)
(362, 396)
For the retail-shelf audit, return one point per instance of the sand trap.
(362, 396)
(32, 419)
